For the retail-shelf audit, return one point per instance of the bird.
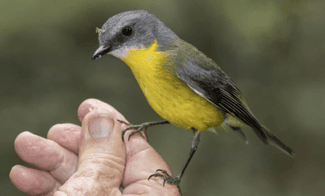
(181, 84)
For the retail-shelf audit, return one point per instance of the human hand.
(89, 160)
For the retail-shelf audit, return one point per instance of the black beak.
(100, 52)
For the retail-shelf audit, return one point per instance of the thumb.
(102, 157)
(101, 137)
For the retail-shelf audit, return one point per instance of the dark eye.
(127, 31)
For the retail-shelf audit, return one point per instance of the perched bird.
(184, 86)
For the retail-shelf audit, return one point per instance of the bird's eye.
(127, 31)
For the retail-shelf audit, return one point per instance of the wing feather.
(216, 87)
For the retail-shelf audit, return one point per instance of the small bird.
(183, 85)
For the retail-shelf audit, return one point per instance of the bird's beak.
(100, 52)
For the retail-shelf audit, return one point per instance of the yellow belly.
(171, 98)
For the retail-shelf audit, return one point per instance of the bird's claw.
(138, 128)
(166, 177)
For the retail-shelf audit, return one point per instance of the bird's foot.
(166, 177)
(139, 128)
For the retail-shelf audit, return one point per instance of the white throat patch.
(123, 51)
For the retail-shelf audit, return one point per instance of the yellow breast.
(170, 97)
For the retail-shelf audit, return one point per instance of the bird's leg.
(140, 127)
(164, 175)
(237, 128)
(240, 132)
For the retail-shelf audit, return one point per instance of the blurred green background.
(272, 49)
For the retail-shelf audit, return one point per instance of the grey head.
(131, 30)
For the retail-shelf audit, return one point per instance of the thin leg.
(195, 144)
(177, 180)
(140, 127)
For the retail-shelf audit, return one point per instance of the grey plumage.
(187, 63)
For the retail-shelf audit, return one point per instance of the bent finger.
(67, 135)
(142, 161)
(46, 155)
(33, 181)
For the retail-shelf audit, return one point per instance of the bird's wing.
(217, 88)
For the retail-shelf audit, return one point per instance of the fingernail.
(101, 126)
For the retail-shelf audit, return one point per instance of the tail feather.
(276, 142)
(235, 125)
